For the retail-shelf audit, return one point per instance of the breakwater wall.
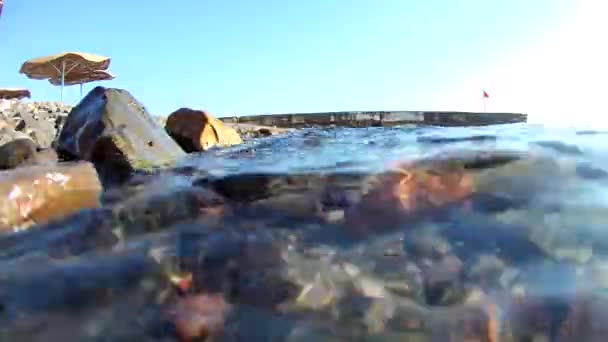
(379, 119)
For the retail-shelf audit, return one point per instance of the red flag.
(485, 95)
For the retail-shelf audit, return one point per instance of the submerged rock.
(153, 211)
(256, 131)
(406, 192)
(197, 130)
(110, 128)
(85, 231)
(39, 194)
(110, 297)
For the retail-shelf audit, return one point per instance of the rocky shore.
(105, 236)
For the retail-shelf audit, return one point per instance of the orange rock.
(197, 130)
(39, 194)
(199, 316)
(410, 189)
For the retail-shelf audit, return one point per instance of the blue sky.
(245, 57)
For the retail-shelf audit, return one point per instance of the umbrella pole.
(62, 78)
(80, 90)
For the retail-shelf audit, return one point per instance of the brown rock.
(407, 191)
(40, 194)
(110, 128)
(197, 130)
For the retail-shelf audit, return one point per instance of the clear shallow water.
(563, 214)
(372, 149)
(527, 260)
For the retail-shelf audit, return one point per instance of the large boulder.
(40, 194)
(110, 128)
(197, 130)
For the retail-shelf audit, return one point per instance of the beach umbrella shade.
(14, 93)
(76, 78)
(61, 65)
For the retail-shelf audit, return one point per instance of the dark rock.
(109, 297)
(471, 234)
(246, 268)
(157, 211)
(110, 128)
(252, 187)
(443, 281)
(76, 284)
(86, 231)
(249, 131)
(426, 244)
(448, 140)
(590, 172)
(23, 152)
(486, 271)
(560, 147)
(590, 132)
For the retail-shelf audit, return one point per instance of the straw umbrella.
(14, 93)
(61, 65)
(1, 4)
(75, 78)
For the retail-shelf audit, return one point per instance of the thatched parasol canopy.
(66, 62)
(71, 66)
(1, 4)
(14, 93)
(74, 78)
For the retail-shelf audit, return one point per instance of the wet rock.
(40, 194)
(472, 234)
(523, 181)
(250, 131)
(85, 231)
(305, 206)
(110, 128)
(196, 130)
(561, 239)
(75, 284)
(487, 271)
(443, 281)
(426, 242)
(560, 147)
(246, 268)
(587, 171)
(407, 192)
(113, 297)
(252, 187)
(447, 140)
(158, 210)
(590, 132)
(23, 152)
